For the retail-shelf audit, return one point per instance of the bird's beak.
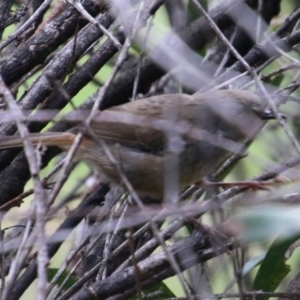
(269, 115)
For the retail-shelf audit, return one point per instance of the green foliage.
(274, 268)
(261, 224)
(65, 275)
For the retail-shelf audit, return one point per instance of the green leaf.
(277, 80)
(274, 268)
(267, 222)
(72, 280)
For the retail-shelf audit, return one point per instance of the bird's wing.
(139, 137)
(140, 124)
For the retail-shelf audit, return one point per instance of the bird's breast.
(198, 160)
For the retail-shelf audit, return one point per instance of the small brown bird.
(200, 130)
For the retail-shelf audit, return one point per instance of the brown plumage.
(206, 128)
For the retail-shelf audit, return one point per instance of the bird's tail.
(60, 139)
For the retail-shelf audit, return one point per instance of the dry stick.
(16, 201)
(69, 197)
(35, 70)
(158, 267)
(217, 201)
(42, 9)
(221, 198)
(137, 273)
(80, 135)
(227, 82)
(290, 41)
(190, 211)
(61, 285)
(280, 70)
(225, 58)
(79, 283)
(221, 35)
(141, 206)
(20, 249)
(161, 83)
(94, 110)
(72, 221)
(231, 160)
(236, 268)
(259, 22)
(137, 25)
(40, 194)
(280, 120)
(155, 230)
(90, 248)
(108, 243)
(64, 266)
(22, 254)
(14, 18)
(86, 15)
(90, 275)
(138, 71)
(291, 87)
(66, 169)
(285, 54)
(136, 235)
(101, 93)
(58, 68)
(253, 295)
(2, 260)
(153, 243)
(290, 21)
(84, 278)
(127, 184)
(111, 231)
